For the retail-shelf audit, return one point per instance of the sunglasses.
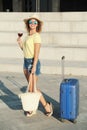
(33, 22)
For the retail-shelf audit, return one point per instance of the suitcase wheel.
(74, 121)
(62, 120)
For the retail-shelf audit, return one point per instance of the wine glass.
(20, 34)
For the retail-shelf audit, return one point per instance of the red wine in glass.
(20, 34)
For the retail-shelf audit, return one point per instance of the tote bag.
(30, 100)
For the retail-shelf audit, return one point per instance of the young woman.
(31, 49)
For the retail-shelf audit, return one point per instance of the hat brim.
(26, 20)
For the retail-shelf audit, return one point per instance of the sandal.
(29, 114)
(51, 109)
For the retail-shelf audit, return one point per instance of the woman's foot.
(29, 114)
(49, 109)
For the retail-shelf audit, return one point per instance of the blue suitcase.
(69, 98)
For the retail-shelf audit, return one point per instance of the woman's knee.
(25, 71)
(39, 91)
(26, 74)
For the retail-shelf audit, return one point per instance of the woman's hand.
(33, 69)
(20, 42)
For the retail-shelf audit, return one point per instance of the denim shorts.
(28, 64)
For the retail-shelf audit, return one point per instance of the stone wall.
(62, 34)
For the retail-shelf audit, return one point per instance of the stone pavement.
(12, 116)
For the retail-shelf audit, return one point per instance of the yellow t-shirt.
(28, 45)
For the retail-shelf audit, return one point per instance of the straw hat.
(35, 16)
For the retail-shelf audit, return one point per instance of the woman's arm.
(20, 42)
(36, 55)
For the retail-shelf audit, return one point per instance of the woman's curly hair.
(39, 27)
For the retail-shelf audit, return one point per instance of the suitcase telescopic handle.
(63, 57)
(62, 63)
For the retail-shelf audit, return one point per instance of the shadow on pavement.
(9, 98)
(12, 100)
(56, 113)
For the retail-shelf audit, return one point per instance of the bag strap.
(30, 81)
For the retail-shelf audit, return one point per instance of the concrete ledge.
(45, 69)
(53, 53)
(47, 66)
(54, 16)
(11, 68)
(49, 39)
(49, 26)
(71, 54)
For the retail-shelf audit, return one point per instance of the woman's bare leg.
(27, 75)
(42, 99)
(45, 104)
